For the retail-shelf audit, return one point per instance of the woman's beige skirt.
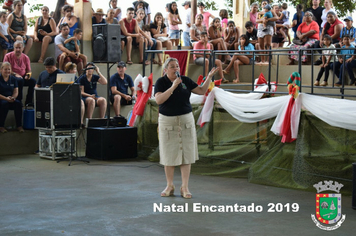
(177, 140)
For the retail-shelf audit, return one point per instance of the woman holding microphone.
(177, 135)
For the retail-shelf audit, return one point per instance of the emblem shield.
(328, 208)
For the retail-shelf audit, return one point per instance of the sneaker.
(324, 83)
(316, 83)
(318, 62)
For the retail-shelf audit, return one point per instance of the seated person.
(69, 18)
(6, 42)
(7, 5)
(60, 48)
(45, 31)
(98, 17)
(132, 35)
(199, 58)
(349, 56)
(49, 75)
(21, 69)
(8, 97)
(251, 33)
(347, 30)
(72, 44)
(120, 82)
(18, 26)
(90, 96)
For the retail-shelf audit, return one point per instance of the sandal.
(146, 62)
(40, 60)
(129, 62)
(155, 62)
(235, 81)
(187, 195)
(226, 72)
(166, 193)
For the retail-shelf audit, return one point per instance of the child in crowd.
(6, 42)
(268, 14)
(251, 33)
(199, 58)
(285, 17)
(242, 58)
(349, 55)
(157, 45)
(72, 44)
(347, 30)
(231, 36)
(327, 58)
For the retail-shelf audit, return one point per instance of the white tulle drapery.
(245, 108)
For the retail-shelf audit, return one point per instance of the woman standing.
(297, 19)
(8, 94)
(328, 4)
(45, 31)
(177, 135)
(253, 13)
(18, 26)
(174, 20)
(90, 96)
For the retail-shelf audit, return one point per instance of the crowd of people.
(268, 27)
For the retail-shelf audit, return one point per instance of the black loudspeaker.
(111, 143)
(354, 186)
(106, 43)
(55, 108)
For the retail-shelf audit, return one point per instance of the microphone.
(177, 74)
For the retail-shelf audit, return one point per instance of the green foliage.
(229, 7)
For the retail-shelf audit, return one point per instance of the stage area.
(42, 197)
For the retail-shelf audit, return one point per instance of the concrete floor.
(42, 197)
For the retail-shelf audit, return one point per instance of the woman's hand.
(213, 71)
(176, 82)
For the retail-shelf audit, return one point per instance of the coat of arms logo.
(328, 206)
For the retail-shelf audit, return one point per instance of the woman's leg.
(237, 63)
(261, 42)
(17, 105)
(159, 55)
(268, 43)
(102, 106)
(169, 172)
(90, 102)
(227, 69)
(4, 109)
(219, 65)
(168, 45)
(28, 45)
(45, 42)
(185, 172)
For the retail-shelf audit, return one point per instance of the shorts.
(40, 38)
(70, 59)
(6, 45)
(174, 34)
(85, 98)
(123, 102)
(261, 33)
(124, 40)
(276, 39)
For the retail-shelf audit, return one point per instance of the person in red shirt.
(21, 69)
(131, 34)
(199, 58)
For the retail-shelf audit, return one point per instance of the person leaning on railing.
(308, 35)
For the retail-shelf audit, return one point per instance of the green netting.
(231, 148)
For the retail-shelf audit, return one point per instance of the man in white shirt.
(188, 23)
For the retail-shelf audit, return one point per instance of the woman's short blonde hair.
(69, 66)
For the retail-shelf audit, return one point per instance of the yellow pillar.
(239, 13)
(83, 10)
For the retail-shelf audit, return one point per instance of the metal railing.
(269, 54)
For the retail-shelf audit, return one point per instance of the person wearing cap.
(68, 18)
(187, 24)
(88, 83)
(348, 30)
(49, 75)
(206, 14)
(98, 17)
(120, 82)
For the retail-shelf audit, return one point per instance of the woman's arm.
(102, 80)
(211, 32)
(192, 35)
(9, 22)
(52, 23)
(163, 97)
(35, 32)
(337, 31)
(15, 93)
(201, 90)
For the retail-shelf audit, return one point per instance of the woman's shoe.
(324, 83)
(316, 83)
(187, 195)
(3, 130)
(20, 129)
(167, 193)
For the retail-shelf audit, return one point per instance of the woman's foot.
(184, 192)
(225, 81)
(160, 63)
(235, 81)
(40, 60)
(168, 191)
(324, 83)
(316, 83)
(226, 72)
(3, 130)
(20, 129)
(129, 62)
